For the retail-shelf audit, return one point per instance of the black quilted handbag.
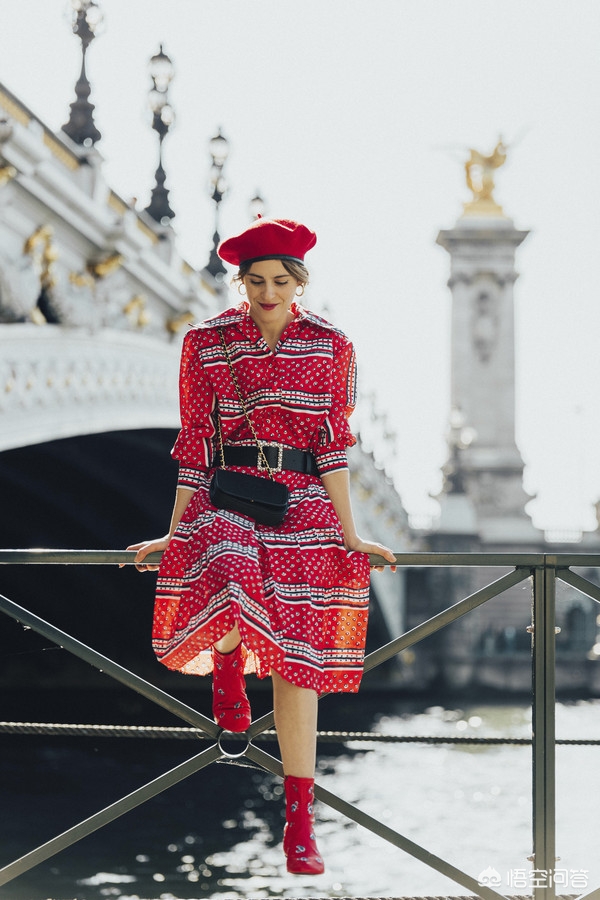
(262, 499)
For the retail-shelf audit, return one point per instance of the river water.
(218, 835)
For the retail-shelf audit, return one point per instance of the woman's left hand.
(372, 547)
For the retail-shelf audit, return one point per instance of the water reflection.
(218, 835)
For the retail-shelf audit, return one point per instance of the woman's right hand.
(146, 547)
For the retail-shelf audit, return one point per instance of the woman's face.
(270, 291)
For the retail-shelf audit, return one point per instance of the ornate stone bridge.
(93, 294)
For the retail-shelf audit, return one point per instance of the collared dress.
(299, 598)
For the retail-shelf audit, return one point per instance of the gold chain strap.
(261, 452)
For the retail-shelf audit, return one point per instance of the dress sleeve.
(334, 434)
(194, 445)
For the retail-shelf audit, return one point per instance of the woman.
(234, 596)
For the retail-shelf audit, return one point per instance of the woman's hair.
(296, 269)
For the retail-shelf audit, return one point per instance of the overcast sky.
(356, 116)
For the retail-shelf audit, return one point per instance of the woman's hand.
(372, 547)
(146, 547)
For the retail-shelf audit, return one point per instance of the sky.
(356, 117)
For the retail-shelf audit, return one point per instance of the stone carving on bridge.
(485, 325)
(19, 290)
(63, 382)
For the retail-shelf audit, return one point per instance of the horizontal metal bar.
(72, 557)
(109, 814)
(47, 557)
(466, 560)
(581, 584)
(425, 629)
(559, 560)
(109, 667)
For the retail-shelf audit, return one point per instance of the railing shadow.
(542, 569)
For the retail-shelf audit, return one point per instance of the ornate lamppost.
(219, 150)
(256, 207)
(86, 19)
(161, 72)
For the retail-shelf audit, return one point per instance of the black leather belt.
(278, 458)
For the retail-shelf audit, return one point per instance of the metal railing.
(543, 569)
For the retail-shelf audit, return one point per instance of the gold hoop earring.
(301, 288)
(241, 292)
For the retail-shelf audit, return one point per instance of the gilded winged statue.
(480, 172)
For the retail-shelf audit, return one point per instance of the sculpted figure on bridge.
(235, 595)
(479, 171)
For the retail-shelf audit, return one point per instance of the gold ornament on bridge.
(96, 270)
(6, 174)
(479, 170)
(184, 320)
(136, 311)
(42, 249)
(40, 246)
(81, 279)
(103, 267)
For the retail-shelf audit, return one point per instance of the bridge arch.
(61, 382)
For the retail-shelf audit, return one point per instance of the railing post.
(544, 781)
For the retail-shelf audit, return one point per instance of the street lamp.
(256, 207)
(86, 19)
(161, 73)
(219, 150)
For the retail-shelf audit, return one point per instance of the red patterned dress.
(299, 598)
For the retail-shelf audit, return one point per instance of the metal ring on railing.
(235, 736)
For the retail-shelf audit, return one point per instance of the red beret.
(268, 239)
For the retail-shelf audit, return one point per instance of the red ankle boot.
(231, 708)
(299, 843)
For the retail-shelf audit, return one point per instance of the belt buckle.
(261, 466)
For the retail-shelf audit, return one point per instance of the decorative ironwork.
(163, 117)
(87, 18)
(219, 151)
(256, 207)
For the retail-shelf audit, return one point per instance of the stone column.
(483, 455)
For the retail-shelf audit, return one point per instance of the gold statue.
(42, 249)
(101, 268)
(479, 171)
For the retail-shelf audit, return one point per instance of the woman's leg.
(230, 641)
(296, 724)
(231, 708)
